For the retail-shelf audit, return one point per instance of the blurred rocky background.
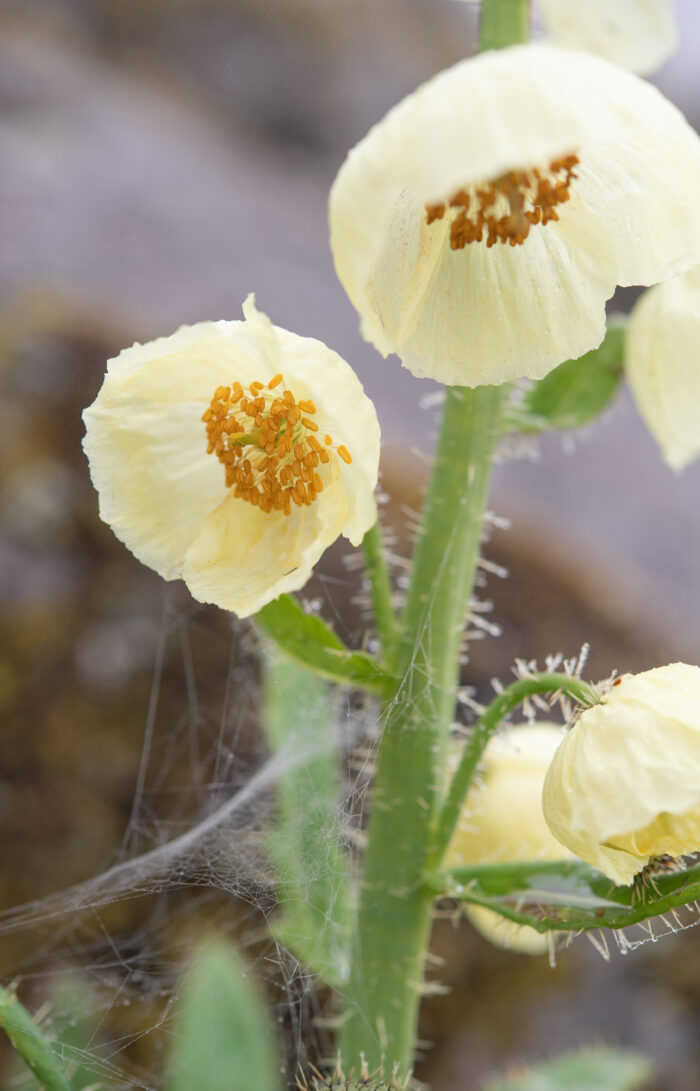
(159, 159)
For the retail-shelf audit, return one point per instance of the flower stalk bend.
(483, 730)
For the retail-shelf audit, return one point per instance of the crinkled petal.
(345, 413)
(516, 109)
(146, 446)
(645, 194)
(477, 120)
(627, 761)
(662, 363)
(636, 34)
(480, 315)
(166, 498)
(243, 557)
(507, 934)
(502, 822)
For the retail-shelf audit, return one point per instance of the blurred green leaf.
(307, 638)
(223, 1039)
(567, 895)
(574, 393)
(593, 1069)
(35, 1049)
(305, 847)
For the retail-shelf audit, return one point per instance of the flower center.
(266, 441)
(504, 210)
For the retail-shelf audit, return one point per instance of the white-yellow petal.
(507, 934)
(624, 786)
(662, 362)
(244, 558)
(166, 497)
(636, 34)
(502, 822)
(493, 313)
(628, 217)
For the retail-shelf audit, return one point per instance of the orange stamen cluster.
(505, 210)
(266, 441)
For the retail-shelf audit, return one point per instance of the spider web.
(192, 859)
(193, 856)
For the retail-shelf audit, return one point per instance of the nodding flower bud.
(502, 822)
(624, 786)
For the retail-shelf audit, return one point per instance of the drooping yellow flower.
(662, 361)
(481, 226)
(637, 34)
(502, 822)
(624, 786)
(231, 454)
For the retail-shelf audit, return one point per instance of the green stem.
(394, 913)
(380, 584)
(484, 728)
(34, 1049)
(503, 23)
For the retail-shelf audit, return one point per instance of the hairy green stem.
(380, 586)
(29, 1041)
(394, 912)
(395, 907)
(484, 728)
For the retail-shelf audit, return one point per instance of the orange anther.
(281, 467)
(344, 454)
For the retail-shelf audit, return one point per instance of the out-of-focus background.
(159, 159)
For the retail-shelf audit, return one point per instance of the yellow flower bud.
(502, 822)
(624, 786)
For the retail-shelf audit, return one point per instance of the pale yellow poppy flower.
(481, 226)
(502, 822)
(637, 34)
(624, 786)
(231, 454)
(662, 362)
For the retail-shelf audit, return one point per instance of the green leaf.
(33, 1046)
(576, 392)
(305, 846)
(222, 1040)
(567, 895)
(600, 1068)
(307, 638)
